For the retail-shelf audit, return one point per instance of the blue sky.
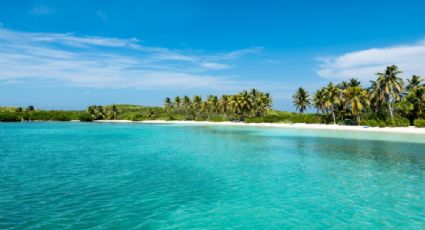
(71, 54)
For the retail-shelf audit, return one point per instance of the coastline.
(405, 130)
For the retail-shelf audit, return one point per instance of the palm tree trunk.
(333, 115)
(358, 120)
(391, 112)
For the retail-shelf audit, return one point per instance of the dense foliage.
(227, 107)
(40, 115)
(386, 102)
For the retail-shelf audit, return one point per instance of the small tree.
(301, 100)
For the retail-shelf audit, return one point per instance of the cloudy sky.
(68, 55)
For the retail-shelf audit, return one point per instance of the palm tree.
(213, 104)
(353, 82)
(197, 103)
(237, 104)
(224, 104)
(167, 104)
(319, 100)
(332, 98)
(177, 102)
(187, 107)
(255, 102)
(376, 96)
(416, 101)
(114, 112)
(92, 111)
(30, 108)
(96, 112)
(244, 98)
(356, 100)
(301, 100)
(391, 85)
(343, 85)
(413, 82)
(205, 108)
(267, 103)
(186, 103)
(252, 104)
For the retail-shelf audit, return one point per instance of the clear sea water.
(134, 176)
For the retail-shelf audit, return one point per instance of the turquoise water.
(133, 176)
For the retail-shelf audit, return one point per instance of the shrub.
(420, 123)
(216, 119)
(272, 118)
(170, 118)
(85, 117)
(138, 117)
(9, 116)
(254, 120)
(399, 122)
(374, 123)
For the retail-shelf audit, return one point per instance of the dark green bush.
(399, 122)
(10, 116)
(138, 117)
(374, 123)
(216, 119)
(420, 123)
(85, 117)
(254, 120)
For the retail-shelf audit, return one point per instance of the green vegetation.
(420, 123)
(386, 102)
(252, 104)
(17, 114)
(301, 100)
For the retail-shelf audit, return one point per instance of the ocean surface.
(132, 176)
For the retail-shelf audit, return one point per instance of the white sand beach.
(407, 130)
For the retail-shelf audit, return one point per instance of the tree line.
(387, 98)
(239, 106)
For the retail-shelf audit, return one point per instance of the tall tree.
(376, 96)
(413, 82)
(356, 100)
(167, 104)
(177, 102)
(319, 100)
(392, 86)
(353, 82)
(113, 114)
(301, 100)
(224, 104)
(197, 103)
(332, 98)
(212, 104)
(413, 104)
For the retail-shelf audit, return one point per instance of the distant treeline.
(42, 115)
(388, 101)
(226, 107)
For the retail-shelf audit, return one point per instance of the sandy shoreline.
(408, 130)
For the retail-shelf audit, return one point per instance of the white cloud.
(213, 65)
(88, 61)
(242, 52)
(364, 64)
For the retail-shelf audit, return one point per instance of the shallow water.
(134, 176)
